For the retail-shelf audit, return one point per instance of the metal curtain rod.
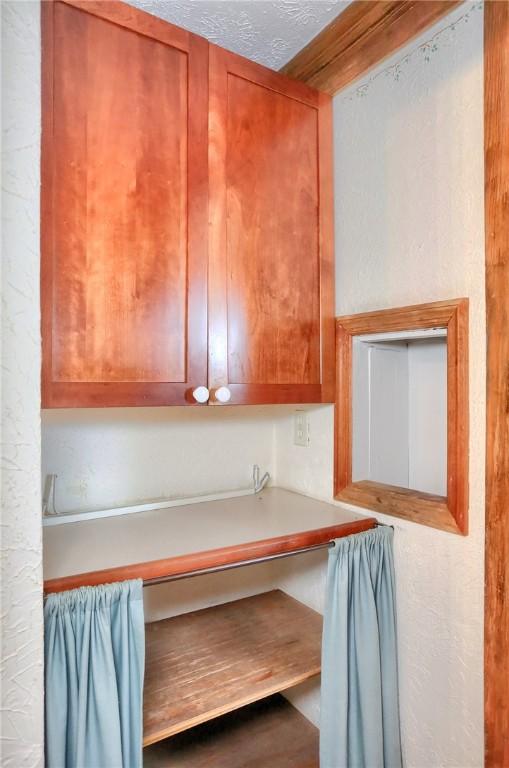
(242, 563)
(232, 566)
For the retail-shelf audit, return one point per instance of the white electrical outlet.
(301, 429)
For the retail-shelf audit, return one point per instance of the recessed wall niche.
(401, 431)
(399, 403)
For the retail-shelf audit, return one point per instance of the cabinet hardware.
(201, 394)
(222, 395)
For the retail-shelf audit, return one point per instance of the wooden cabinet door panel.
(124, 207)
(271, 334)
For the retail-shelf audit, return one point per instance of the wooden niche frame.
(448, 513)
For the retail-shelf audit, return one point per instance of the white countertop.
(114, 542)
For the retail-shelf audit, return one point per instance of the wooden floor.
(203, 664)
(266, 734)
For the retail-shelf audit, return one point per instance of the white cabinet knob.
(201, 394)
(222, 394)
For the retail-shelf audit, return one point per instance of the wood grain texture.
(203, 664)
(187, 564)
(420, 507)
(271, 238)
(448, 513)
(124, 210)
(125, 15)
(327, 252)
(496, 622)
(363, 35)
(343, 412)
(124, 225)
(271, 266)
(436, 314)
(266, 734)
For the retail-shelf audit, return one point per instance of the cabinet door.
(124, 207)
(271, 329)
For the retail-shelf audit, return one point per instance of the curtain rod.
(243, 563)
(232, 566)
(239, 564)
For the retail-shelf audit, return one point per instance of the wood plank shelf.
(173, 541)
(266, 734)
(206, 663)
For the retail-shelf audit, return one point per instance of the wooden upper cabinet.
(124, 207)
(186, 218)
(271, 328)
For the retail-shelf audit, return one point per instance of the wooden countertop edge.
(197, 561)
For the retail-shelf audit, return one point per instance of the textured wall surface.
(21, 586)
(409, 229)
(267, 31)
(116, 456)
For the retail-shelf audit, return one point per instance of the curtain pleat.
(359, 697)
(94, 666)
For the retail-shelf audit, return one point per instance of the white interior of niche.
(399, 401)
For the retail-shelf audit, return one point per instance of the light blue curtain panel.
(95, 658)
(359, 698)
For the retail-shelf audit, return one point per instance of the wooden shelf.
(203, 664)
(179, 540)
(266, 734)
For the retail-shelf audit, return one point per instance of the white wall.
(399, 416)
(427, 410)
(21, 575)
(114, 456)
(409, 229)
(380, 413)
(117, 456)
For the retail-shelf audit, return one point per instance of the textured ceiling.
(268, 31)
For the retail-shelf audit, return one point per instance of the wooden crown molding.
(448, 513)
(364, 34)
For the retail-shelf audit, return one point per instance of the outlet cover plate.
(301, 429)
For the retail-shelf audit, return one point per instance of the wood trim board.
(448, 513)
(363, 35)
(496, 610)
